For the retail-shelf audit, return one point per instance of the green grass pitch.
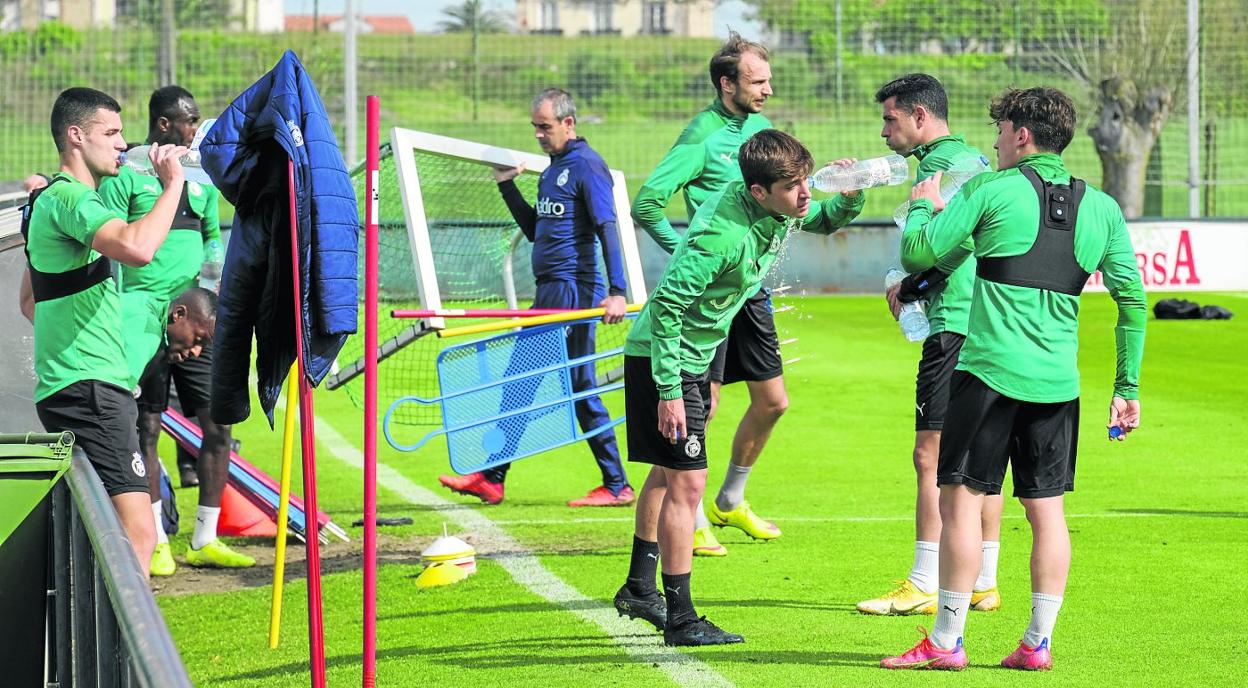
(1159, 526)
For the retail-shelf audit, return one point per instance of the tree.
(1133, 74)
(470, 15)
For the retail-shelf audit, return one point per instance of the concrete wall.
(17, 340)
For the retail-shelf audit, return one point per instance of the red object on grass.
(182, 422)
(240, 518)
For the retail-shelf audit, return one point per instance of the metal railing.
(106, 630)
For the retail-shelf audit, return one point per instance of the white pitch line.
(527, 570)
(803, 519)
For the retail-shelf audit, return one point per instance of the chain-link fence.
(638, 69)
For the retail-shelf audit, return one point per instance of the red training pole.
(371, 258)
(307, 432)
(479, 312)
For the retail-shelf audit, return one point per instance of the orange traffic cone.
(240, 518)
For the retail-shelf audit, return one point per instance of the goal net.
(447, 240)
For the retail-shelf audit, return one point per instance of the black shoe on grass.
(650, 607)
(187, 475)
(699, 632)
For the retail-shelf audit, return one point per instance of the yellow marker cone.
(440, 573)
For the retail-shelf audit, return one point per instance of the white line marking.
(804, 519)
(527, 570)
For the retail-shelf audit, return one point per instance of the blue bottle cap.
(1115, 432)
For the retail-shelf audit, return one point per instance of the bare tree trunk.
(1126, 127)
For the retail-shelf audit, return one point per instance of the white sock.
(205, 525)
(1044, 610)
(988, 566)
(161, 536)
(699, 518)
(951, 609)
(732, 492)
(926, 566)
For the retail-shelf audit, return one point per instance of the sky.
(425, 14)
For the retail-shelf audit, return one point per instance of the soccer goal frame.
(405, 142)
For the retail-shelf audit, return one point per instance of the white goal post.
(405, 143)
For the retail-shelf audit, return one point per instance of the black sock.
(496, 475)
(679, 603)
(643, 567)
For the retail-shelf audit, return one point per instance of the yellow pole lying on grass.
(283, 506)
(528, 322)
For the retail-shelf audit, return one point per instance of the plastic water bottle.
(214, 258)
(137, 159)
(911, 318)
(951, 182)
(202, 132)
(864, 174)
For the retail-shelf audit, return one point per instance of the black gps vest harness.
(1050, 262)
(185, 218)
(54, 285)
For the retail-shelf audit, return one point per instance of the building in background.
(687, 19)
(391, 24)
(263, 16)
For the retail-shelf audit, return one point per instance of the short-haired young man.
(700, 163)
(1038, 233)
(732, 242)
(915, 110)
(173, 118)
(84, 385)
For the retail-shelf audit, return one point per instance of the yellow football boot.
(162, 560)
(743, 517)
(985, 600)
(903, 601)
(218, 555)
(705, 544)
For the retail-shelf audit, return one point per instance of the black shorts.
(641, 403)
(985, 430)
(102, 418)
(193, 378)
(751, 353)
(931, 388)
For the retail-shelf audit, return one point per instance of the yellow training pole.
(283, 506)
(527, 322)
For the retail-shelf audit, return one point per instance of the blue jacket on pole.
(279, 119)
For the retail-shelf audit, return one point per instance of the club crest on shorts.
(563, 178)
(136, 465)
(693, 447)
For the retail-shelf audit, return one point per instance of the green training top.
(701, 162)
(1024, 342)
(77, 337)
(948, 304)
(147, 291)
(731, 244)
(176, 265)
